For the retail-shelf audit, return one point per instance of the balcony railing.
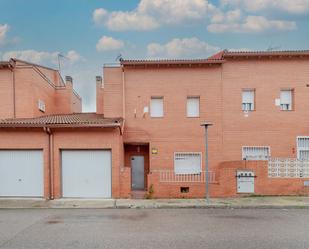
(169, 176)
(288, 168)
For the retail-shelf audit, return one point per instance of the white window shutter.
(286, 97)
(255, 152)
(156, 107)
(303, 148)
(286, 100)
(193, 107)
(248, 98)
(187, 163)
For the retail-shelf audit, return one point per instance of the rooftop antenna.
(119, 57)
(272, 48)
(59, 61)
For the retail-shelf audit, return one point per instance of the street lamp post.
(206, 125)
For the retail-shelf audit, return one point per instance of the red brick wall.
(112, 101)
(99, 98)
(267, 125)
(28, 139)
(220, 91)
(30, 87)
(88, 139)
(263, 184)
(6, 94)
(174, 132)
(70, 139)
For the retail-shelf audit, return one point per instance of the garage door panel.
(86, 173)
(21, 173)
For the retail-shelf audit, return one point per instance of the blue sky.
(93, 32)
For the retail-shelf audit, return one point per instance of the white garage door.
(21, 173)
(86, 173)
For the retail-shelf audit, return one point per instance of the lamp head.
(206, 124)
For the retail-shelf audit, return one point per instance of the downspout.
(122, 128)
(50, 162)
(14, 94)
(123, 94)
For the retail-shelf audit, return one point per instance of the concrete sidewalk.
(244, 202)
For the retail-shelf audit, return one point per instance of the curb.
(8, 203)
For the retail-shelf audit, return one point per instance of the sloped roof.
(228, 54)
(217, 58)
(63, 120)
(169, 61)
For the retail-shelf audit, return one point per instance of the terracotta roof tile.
(266, 53)
(169, 61)
(64, 120)
(216, 58)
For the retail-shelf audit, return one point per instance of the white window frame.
(245, 146)
(245, 105)
(151, 113)
(197, 115)
(301, 148)
(41, 105)
(185, 173)
(286, 106)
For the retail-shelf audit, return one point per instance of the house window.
(303, 148)
(286, 100)
(41, 105)
(187, 163)
(248, 100)
(156, 107)
(255, 152)
(193, 107)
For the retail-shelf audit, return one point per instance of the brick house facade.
(148, 119)
(220, 85)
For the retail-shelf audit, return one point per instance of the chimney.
(68, 79)
(99, 80)
(99, 95)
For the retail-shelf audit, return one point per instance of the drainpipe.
(123, 94)
(50, 162)
(14, 97)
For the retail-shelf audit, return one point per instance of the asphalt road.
(154, 228)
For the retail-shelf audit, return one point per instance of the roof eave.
(266, 54)
(116, 125)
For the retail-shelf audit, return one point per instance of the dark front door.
(138, 174)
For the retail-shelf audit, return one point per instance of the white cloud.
(73, 56)
(99, 15)
(181, 48)
(41, 56)
(3, 33)
(250, 24)
(151, 14)
(289, 6)
(174, 11)
(229, 15)
(107, 43)
(121, 21)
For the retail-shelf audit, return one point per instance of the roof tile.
(64, 120)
